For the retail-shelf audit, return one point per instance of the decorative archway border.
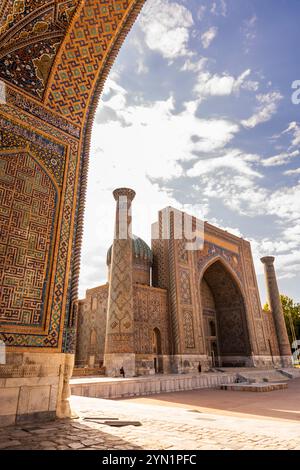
(87, 132)
(43, 118)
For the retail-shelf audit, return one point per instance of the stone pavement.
(165, 425)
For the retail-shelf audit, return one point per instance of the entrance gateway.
(166, 309)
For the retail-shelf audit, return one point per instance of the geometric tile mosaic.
(28, 201)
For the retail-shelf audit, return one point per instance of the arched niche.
(224, 314)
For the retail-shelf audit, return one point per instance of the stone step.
(263, 376)
(291, 372)
(138, 386)
(255, 387)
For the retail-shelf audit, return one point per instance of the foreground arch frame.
(53, 77)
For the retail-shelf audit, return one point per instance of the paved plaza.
(190, 420)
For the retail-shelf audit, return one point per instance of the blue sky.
(197, 113)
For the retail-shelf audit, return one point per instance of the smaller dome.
(140, 250)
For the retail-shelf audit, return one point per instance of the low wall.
(34, 387)
(120, 388)
(87, 371)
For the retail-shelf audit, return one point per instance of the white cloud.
(220, 85)
(234, 159)
(241, 194)
(232, 182)
(285, 203)
(249, 32)
(194, 66)
(287, 255)
(219, 7)
(168, 32)
(249, 27)
(111, 86)
(288, 264)
(138, 46)
(208, 37)
(170, 137)
(215, 85)
(294, 128)
(235, 186)
(212, 134)
(292, 172)
(250, 85)
(141, 67)
(280, 159)
(232, 178)
(267, 107)
(201, 12)
(292, 233)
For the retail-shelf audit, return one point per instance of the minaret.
(119, 340)
(276, 309)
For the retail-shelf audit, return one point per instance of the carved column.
(276, 309)
(119, 341)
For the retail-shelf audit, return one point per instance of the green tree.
(291, 311)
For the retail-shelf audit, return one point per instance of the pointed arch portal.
(224, 316)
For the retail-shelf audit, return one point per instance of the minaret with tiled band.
(119, 341)
(276, 309)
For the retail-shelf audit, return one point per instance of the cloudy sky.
(197, 113)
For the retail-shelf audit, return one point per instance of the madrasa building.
(176, 308)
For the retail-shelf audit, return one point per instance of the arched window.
(93, 342)
(156, 341)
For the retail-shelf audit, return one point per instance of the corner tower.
(277, 312)
(119, 341)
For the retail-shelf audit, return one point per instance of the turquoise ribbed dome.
(140, 250)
